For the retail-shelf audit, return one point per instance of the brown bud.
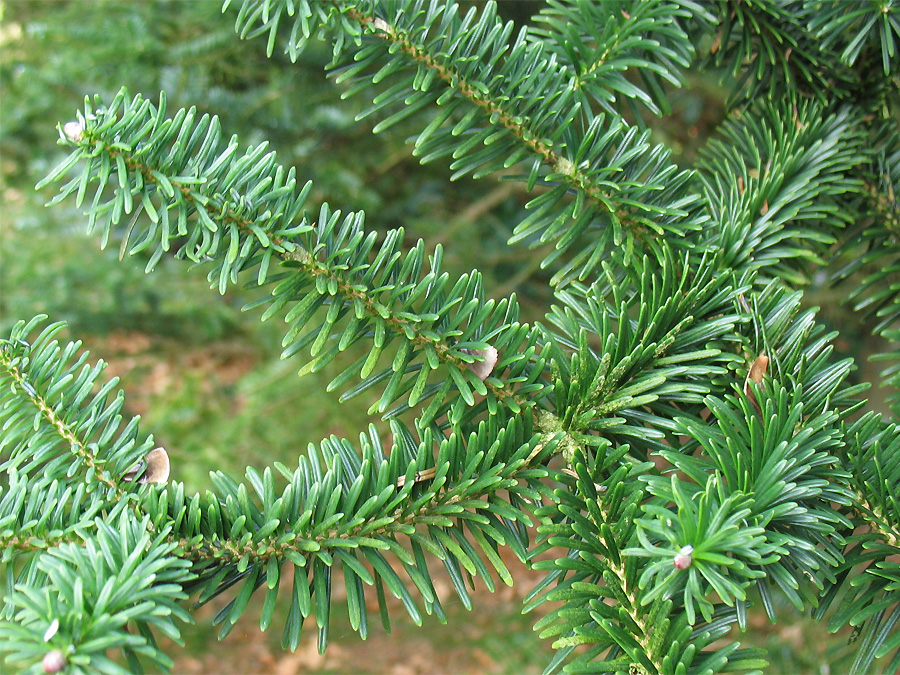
(154, 465)
(418, 476)
(484, 367)
(757, 371)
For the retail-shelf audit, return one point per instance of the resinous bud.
(485, 367)
(683, 558)
(153, 468)
(74, 131)
(53, 661)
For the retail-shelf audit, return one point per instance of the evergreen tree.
(678, 423)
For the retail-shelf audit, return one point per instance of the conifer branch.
(498, 115)
(621, 183)
(433, 508)
(288, 250)
(709, 433)
(196, 180)
(62, 428)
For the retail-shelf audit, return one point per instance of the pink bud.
(74, 131)
(54, 661)
(683, 558)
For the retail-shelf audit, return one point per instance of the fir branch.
(44, 389)
(870, 452)
(90, 593)
(867, 578)
(869, 256)
(200, 182)
(774, 181)
(664, 339)
(598, 522)
(770, 50)
(480, 494)
(872, 27)
(693, 475)
(499, 108)
(63, 430)
(627, 188)
(602, 42)
(433, 506)
(344, 516)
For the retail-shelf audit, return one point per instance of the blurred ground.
(492, 638)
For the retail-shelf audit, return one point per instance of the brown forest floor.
(492, 638)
